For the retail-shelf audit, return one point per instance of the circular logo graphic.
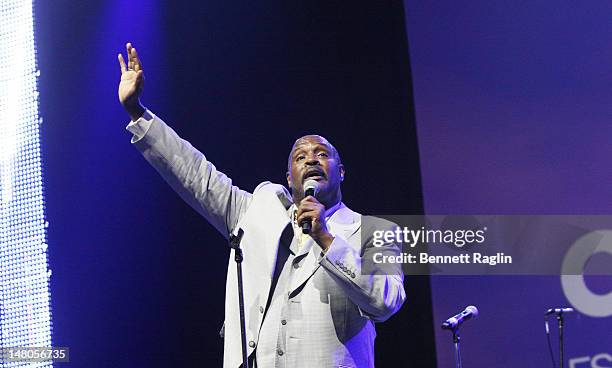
(572, 281)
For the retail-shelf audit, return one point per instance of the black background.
(138, 277)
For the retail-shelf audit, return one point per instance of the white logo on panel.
(572, 280)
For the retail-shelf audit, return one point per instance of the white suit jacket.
(333, 306)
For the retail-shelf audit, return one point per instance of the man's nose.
(312, 160)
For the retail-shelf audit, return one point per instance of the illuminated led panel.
(25, 318)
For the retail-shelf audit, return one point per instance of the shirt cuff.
(140, 127)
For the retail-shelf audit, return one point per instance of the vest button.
(284, 322)
(280, 352)
(252, 343)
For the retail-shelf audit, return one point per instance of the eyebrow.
(318, 147)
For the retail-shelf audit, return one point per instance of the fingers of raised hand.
(122, 63)
(136, 60)
(133, 61)
(130, 61)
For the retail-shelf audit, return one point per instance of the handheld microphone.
(558, 311)
(311, 188)
(456, 320)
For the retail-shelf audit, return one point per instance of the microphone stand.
(453, 324)
(560, 321)
(238, 257)
(456, 339)
(558, 312)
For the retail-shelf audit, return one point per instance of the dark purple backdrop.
(513, 103)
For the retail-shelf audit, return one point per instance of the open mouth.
(314, 175)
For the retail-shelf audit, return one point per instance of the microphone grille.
(473, 310)
(313, 185)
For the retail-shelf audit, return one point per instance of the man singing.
(307, 301)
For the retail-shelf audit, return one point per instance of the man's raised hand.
(132, 83)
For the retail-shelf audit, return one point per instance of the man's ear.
(341, 167)
(289, 183)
